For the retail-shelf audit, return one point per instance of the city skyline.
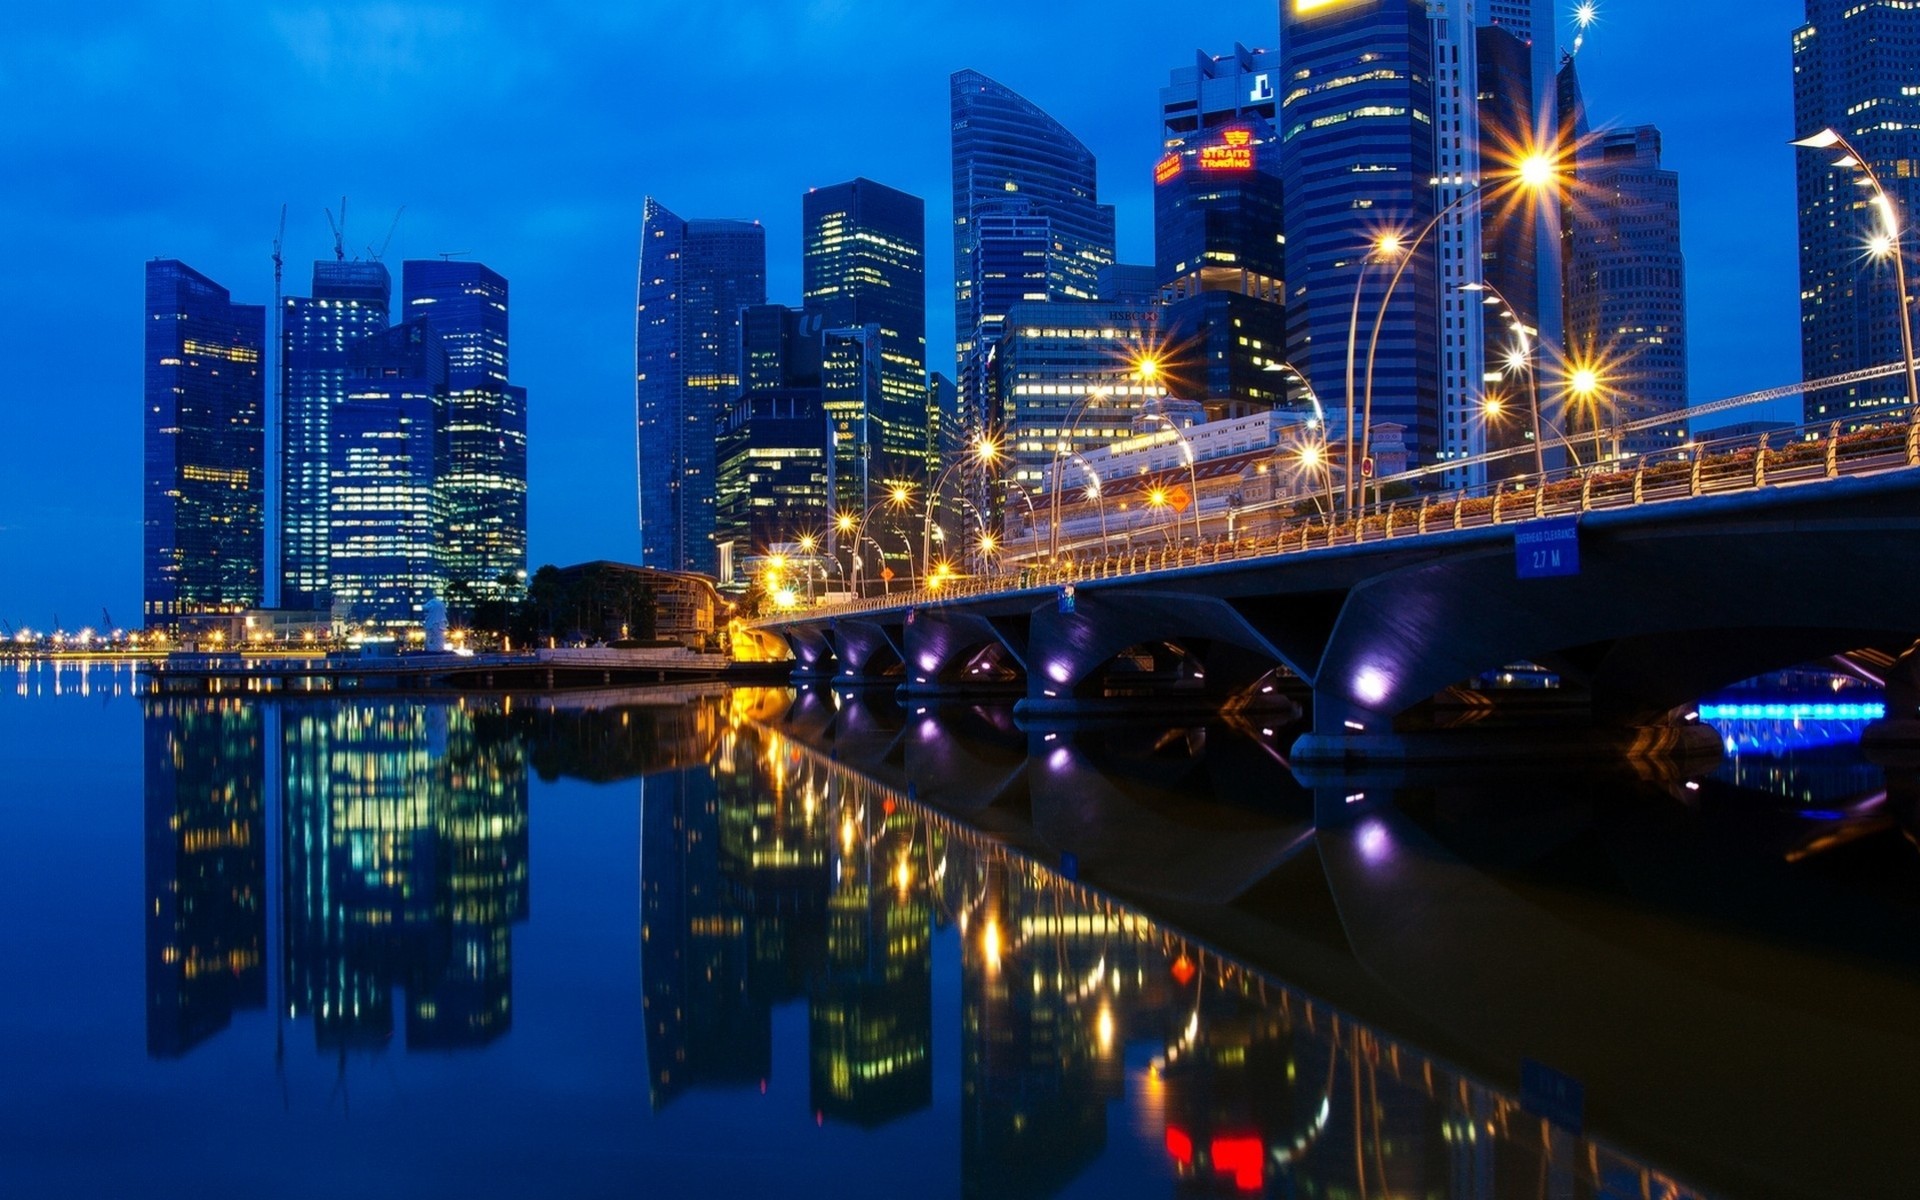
(574, 247)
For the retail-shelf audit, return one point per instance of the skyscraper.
(1357, 123)
(1627, 296)
(205, 408)
(387, 454)
(484, 491)
(1006, 149)
(350, 301)
(1853, 72)
(864, 264)
(695, 278)
(1220, 256)
(1219, 90)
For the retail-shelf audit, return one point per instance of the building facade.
(484, 545)
(1357, 126)
(1853, 72)
(864, 275)
(1627, 294)
(1070, 378)
(1220, 90)
(388, 453)
(205, 426)
(776, 473)
(350, 301)
(695, 278)
(1050, 245)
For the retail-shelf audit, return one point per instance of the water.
(708, 943)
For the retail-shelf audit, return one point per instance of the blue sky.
(528, 135)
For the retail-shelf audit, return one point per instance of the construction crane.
(7, 626)
(339, 231)
(450, 255)
(377, 255)
(106, 620)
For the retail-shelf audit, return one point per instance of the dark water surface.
(693, 942)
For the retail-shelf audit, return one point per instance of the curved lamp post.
(1886, 243)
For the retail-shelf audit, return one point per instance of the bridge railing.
(1292, 525)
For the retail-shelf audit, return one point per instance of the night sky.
(528, 136)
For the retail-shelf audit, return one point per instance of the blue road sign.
(1543, 549)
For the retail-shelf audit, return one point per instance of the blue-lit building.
(1357, 126)
(776, 470)
(695, 278)
(1220, 257)
(387, 453)
(1627, 289)
(350, 301)
(484, 542)
(863, 275)
(1050, 235)
(204, 490)
(1853, 72)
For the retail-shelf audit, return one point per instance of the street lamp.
(985, 453)
(1526, 349)
(1533, 173)
(1193, 474)
(1884, 243)
(1323, 455)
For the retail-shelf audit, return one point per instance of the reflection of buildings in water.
(206, 869)
(703, 1028)
(604, 737)
(763, 879)
(402, 853)
(1254, 1086)
(405, 862)
(871, 1015)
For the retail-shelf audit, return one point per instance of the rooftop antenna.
(450, 255)
(339, 231)
(377, 255)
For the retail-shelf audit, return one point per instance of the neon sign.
(1234, 153)
(1166, 168)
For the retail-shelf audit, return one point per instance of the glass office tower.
(864, 265)
(1357, 126)
(387, 455)
(1006, 149)
(204, 486)
(350, 301)
(695, 278)
(1853, 72)
(484, 542)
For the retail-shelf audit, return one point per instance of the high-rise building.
(1069, 374)
(484, 491)
(1627, 305)
(695, 278)
(205, 415)
(864, 265)
(388, 453)
(1853, 72)
(1219, 90)
(1005, 149)
(1357, 123)
(1509, 257)
(1219, 256)
(775, 460)
(350, 301)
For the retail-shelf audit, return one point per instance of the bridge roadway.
(1689, 577)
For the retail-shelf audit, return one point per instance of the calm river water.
(759, 943)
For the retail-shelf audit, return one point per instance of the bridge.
(1639, 587)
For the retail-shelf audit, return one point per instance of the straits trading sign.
(1307, 8)
(1234, 152)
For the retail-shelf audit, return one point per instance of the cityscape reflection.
(1168, 951)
